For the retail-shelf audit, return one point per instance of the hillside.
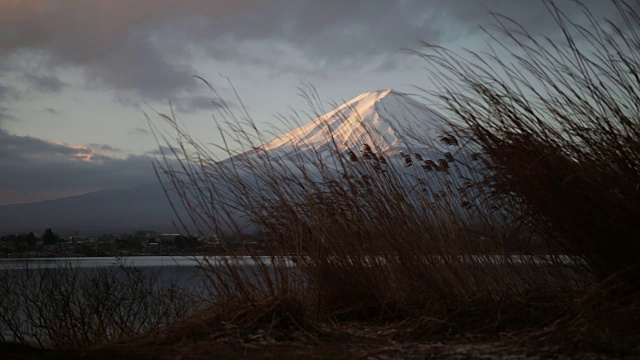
(105, 211)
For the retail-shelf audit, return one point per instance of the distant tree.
(130, 243)
(31, 239)
(18, 242)
(179, 242)
(49, 237)
(185, 242)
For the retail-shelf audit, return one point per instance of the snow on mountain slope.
(386, 120)
(385, 129)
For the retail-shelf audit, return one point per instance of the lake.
(40, 294)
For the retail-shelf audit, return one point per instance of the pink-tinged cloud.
(33, 169)
(82, 153)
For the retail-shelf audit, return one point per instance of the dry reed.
(559, 123)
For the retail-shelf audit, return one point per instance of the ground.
(361, 343)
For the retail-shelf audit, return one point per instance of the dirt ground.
(375, 344)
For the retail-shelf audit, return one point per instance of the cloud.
(8, 92)
(34, 166)
(45, 83)
(5, 115)
(139, 66)
(16, 149)
(192, 103)
(139, 131)
(105, 147)
(114, 43)
(148, 48)
(51, 111)
(163, 151)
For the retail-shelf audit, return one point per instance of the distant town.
(143, 242)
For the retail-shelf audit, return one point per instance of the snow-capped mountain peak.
(386, 120)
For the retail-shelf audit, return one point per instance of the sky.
(78, 76)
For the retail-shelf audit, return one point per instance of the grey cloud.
(138, 65)
(8, 92)
(347, 34)
(162, 151)
(147, 47)
(15, 148)
(105, 147)
(5, 115)
(139, 131)
(111, 41)
(45, 83)
(52, 111)
(192, 103)
(31, 165)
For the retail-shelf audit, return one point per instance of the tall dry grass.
(356, 234)
(551, 164)
(348, 236)
(559, 122)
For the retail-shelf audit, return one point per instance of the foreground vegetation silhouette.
(555, 168)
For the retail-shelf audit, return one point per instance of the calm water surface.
(196, 262)
(186, 270)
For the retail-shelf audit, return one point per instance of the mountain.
(387, 120)
(393, 125)
(387, 126)
(381, 137)
(142, 207)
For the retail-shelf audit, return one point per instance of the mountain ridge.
(143, 206)
(387, 121)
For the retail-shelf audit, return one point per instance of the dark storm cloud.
(30, 165)
(147, 47)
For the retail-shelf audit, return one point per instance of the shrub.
(74, 307)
